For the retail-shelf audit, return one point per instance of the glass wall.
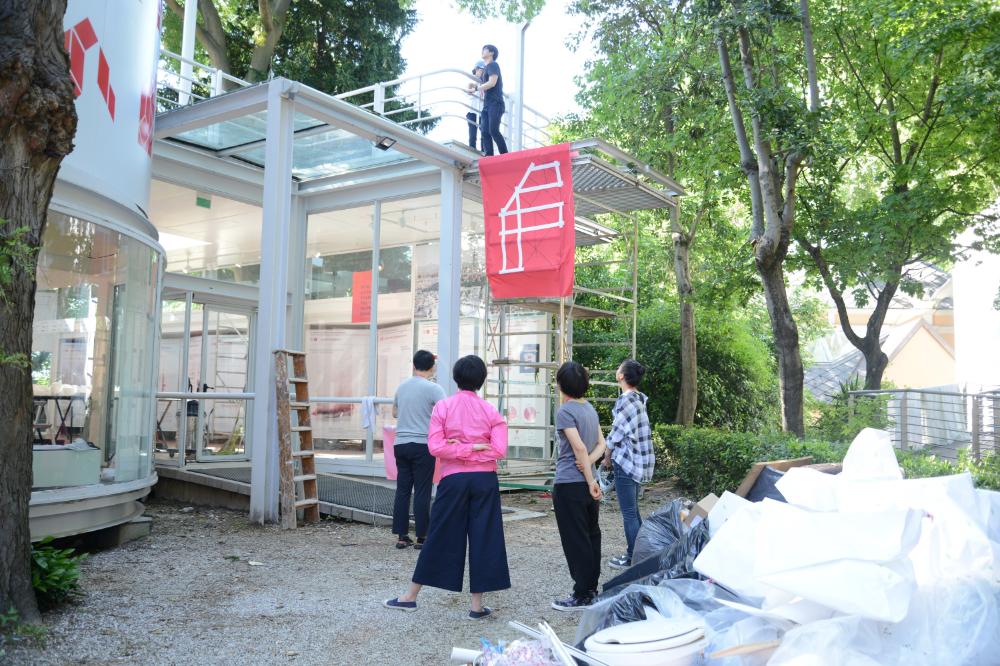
(348, 359)
(93, 355)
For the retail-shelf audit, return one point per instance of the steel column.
(272, 309)
(449, 276)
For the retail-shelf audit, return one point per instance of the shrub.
(985, 473)
(842, 418)
(55, 574)
(708, 460)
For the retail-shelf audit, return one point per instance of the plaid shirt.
(630, 439)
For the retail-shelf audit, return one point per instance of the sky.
(447, 37)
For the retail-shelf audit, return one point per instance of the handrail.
(420, 94)
(207, 395)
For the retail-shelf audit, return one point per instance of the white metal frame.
(286, 204)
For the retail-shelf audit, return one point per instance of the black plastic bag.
(676, 560)
(660, 529)
(766, 486)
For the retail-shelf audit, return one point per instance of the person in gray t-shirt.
(575, 492)
(412, 406)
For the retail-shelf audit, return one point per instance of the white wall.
(977, 323)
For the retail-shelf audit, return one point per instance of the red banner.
(528, 206)
(361, 297)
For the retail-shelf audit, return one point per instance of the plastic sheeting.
(725, 627)
(957, 623)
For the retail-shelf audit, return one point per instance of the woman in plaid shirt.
(630, 451)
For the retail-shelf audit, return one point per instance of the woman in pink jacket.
(469, 436)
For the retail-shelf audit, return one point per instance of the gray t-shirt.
(414, 402)
(583, 417)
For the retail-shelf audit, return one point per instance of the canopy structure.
(310, 161)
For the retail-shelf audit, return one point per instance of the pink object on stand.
(389, 456)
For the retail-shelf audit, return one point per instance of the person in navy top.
(493, 106)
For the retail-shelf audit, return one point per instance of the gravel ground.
(188, 594)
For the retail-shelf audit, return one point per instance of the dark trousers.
(473, 129)
(415, 467)
(627, 490)
(577, 516)
(489, 123)
(466, 509)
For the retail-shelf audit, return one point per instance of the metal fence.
(934, 421)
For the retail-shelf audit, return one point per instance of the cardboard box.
(701, 509)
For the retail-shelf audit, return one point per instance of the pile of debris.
(811, 566)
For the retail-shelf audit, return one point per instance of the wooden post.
(286, 471)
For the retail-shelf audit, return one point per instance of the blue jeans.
(627, 490)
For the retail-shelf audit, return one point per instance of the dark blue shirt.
(494, 94)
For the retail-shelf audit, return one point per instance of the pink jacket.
(471, 420)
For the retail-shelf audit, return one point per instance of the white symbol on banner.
(517, 213)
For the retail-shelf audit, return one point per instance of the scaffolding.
(517, 375)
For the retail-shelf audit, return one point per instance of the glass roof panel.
(330, 153)
(238, 131)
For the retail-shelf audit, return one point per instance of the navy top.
(494, 94)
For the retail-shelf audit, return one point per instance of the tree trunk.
(786, 343)
(37, 123)
(273, 19)
(688, 401)
(876, 362)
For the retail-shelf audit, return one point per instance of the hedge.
(709, 460)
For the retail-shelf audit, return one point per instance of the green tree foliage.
(908, 156)
(331, 45)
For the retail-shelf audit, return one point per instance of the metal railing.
(443, 97)
(934, 421)
(175, 89)
(436, 102)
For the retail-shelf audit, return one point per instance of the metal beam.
(272, 312)
(212, 111)
(374, 175)
(200, 170)
(384, 190)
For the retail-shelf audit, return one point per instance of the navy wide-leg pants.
(466, 510)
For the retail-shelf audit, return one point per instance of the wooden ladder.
(290, 480)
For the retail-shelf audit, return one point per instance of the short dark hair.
(469, 373)
(573, 379)
(632, 371)
(423, 360)
(492, 49)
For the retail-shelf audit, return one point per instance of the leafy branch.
(16, 255)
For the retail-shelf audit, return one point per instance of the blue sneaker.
(479, 615)
(408, 606)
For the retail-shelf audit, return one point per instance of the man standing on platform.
(412, 406)
(493, 106)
